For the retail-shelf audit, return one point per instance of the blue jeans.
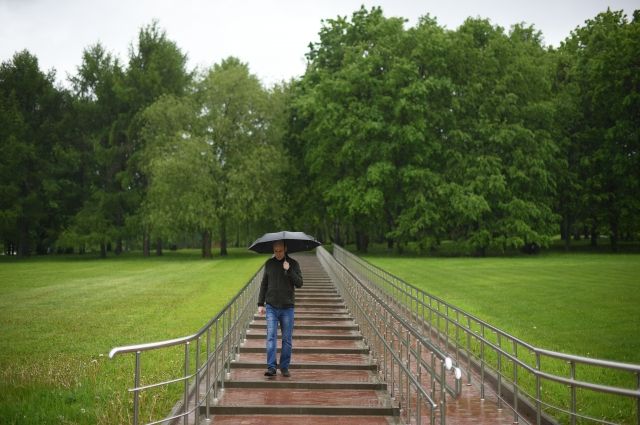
(283, 316)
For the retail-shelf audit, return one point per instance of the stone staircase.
(333, 380)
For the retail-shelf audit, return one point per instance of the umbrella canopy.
(296, 242)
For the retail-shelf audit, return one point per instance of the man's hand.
(285, 265)
(261, 310)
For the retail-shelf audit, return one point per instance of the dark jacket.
(278, 285)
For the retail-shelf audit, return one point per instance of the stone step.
(249, 361)
(318, 299)
(323, 311)
(281, 409)
(302, 419)
(304, 402)
(316, 337)
(310, 350)
(310, 318)
(319, 292)
(307, 385)
(307, 375)
(328, 288)
(312, 343)
(312, 326)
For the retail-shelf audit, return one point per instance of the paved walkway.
(333, 380)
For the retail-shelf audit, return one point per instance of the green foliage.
(598, 86)
(36, 166)
(239, 127)
(434, 134)
(364, 106)
(400, 135)
(180, 169)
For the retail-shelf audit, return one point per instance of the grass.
(584, 304)
(60, 316)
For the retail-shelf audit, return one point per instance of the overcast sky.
(272, 36)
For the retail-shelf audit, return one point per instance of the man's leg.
(272, 337)
(286, 325)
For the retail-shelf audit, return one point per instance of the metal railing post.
(443, 393)
(572, 368)
(197, 371)
(433, 374)
(516, 416)
(499, 392)
(468, 350)
(538, 391)
(215, 365)
(136, 391)
(185, 418)
(208, 376)
(419, 372)
(446, 327)
(482, 363)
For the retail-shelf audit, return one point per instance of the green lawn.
(577, 303)
(585, 304)
(60, 316)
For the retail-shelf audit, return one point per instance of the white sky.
(272, 36)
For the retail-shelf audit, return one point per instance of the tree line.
(400, 135)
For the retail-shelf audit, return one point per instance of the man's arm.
(295, 274)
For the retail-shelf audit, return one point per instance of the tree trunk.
(336, 233)
(566, 232)
(159, 247)
(9, 248)
(362, 241)
(614, 235)
(594, 236)
(146, 245)
(206, 244)
(103, 250)
(223, 238)
(23, 241)
(118, 250)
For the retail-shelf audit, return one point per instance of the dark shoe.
(270, 372)
(285, 373)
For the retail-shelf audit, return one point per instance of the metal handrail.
(413, 330)
(389, 337)
(225, 331)
(442, 321)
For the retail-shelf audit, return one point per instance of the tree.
(33, 169)
(100, 106)
(367, 143)
(500, 153)
(181, 172)
(156, 67)
(600, 79)
(111, 100)
(237, 125)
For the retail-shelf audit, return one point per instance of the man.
(281, 276)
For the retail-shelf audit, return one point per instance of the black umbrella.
(296, 241)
